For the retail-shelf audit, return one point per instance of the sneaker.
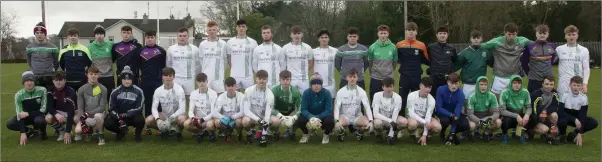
(78, 137)
(120, 135)
(101, 141)
(198, 137)
(250, 134)
(571, 137)
(325, 138)
(304, 138)
(341, 136)
(504, 139)
(523, 139)
(399, 134)
(477, 136)
(391, 140)
(359, 136)
(212, 137)
(61, 136)
(263, 141)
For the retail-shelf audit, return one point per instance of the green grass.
(152, 149)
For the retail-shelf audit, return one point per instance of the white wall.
(82, 40)
(115, 32)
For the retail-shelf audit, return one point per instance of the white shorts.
(244, 82)
(350, 120)
(216, 85)
(332, 90)
(187, 84)
(563, 87)
(301, 86)
(499, 84)
(468, 90)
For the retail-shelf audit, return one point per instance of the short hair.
(265, 27)
(201, 77)
(261, 74)
(518, 79)
(150, 33)
(453, 77)
(58, 75)
(511, 28)
(411, 26)
(351, 72)
(549, 78)
(93, 69)
(442, 29)
(126, 28)
(182, 30)
(296, 29)
(167, 71)
(352, 30)
(543, 28)
(476, 34)
(241, 22)
(483, 80)
(426, 81)
(388, 82)
(99, 30)
(322, 32)
(383, 28)
(571, 29)
(73, 32)
(577, 79)
(211, 23)
(230, 82)
(285, 74)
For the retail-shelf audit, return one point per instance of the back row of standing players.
(510, 55)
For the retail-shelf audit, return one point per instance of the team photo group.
(273, 91)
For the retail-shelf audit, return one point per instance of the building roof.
(86, 28)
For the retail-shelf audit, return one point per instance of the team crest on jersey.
(416, 52)
(146, 53)
(484, 54)
(79, 53)
(121, 48)
(447, 52)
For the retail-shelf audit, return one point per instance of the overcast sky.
(30, 12)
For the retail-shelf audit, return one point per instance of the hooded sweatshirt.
(481, 104)
(42, 58)
(514, 103)
(101, 57)
(317, 105)
(506, 54)
(382, 58)
(473, 62)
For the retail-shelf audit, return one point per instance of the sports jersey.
(33, 102)
(172, 101)
(574, 61)
(240, 52)
(324, 64)
(386, 108)
(213, 62)
(286, 101)
(258, 103)
(351, 101)
(268, 57)
(421, 109)
(577, 105)
(297, 57)
(201, 104)
(183, 59)
(229, 106)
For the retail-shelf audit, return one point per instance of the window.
(111, 38)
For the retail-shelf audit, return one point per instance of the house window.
(111, 38)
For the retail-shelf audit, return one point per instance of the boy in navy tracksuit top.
(316, 102)
(152, 62)
(126, 53)
(449, 102)
(125, 107)
(74, 59)
(411, 55)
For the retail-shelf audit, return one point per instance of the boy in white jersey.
(267, 57)
(240, 52)
(574, 61)
(228, 111)
(183, 57)
(212, 54)
(258, 104)
(299, 59)
(349, 100)
(202, 100)
(170, 96)
(324, 57)
(573, 106)
(386, 105)
(421, 105)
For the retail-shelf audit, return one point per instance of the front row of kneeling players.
(541, 112)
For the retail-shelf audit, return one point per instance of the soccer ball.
(314, 124)
(288, 121)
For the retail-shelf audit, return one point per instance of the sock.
(351, 128)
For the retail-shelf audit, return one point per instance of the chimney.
(145, 19)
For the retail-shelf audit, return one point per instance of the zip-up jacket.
(411, 54)
(101, 57)
(348, 58)
(542, 100)
(126, 53)
(91, 99)
(42, 58)
(537, 60)
(33, 102)
(63, 100)
(473, 62)
(382, 58)
(152, 62)
(74, 60)
(126, 100)
(506, 54)
(317, 105)
(441, 58)
(448, 102)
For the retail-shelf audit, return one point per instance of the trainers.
(391, 140)
(359, 136)
(571, 137)
(120, 135)
(304, 138)
(101, 141)
(341, 136)
(78, 137)
(263, 141)
(198, 137)
(212, 137)
(399, 134)
(504, 138)
(477, 136)
(325, 138)
(523, 139)
(61, 136)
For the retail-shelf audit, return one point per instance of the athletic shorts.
(187, 84)
(244, 82)
(468, 90)
(499, 84)
(216, 85)
(332, 90)
(90, 121)
(350, 120)
(563, 87)
(301, 86)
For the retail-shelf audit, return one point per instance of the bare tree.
(7, 32)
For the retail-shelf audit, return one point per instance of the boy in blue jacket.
(449, 102)
(316, 103)
(125, 107)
